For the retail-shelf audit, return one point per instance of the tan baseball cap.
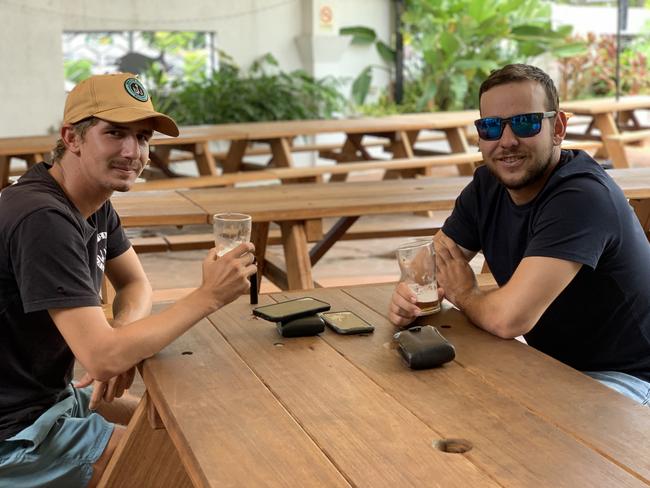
(117, 97)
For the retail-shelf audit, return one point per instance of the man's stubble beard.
(532, 175)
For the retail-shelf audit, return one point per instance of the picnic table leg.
(160, 159)
(349, 153)
(627, 120)
(296, 255)
(615, 150)
(162, 155)
(204, 159)
(402, 147)
(146, 456)
(332, 236)
(281, 152)
(5, 164)
(283, 158)
(642, 210)
(458, 144)
(236, 151)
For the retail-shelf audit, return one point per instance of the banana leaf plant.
(458, 42)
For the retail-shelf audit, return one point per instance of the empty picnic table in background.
(397, 134)
(617, 122)
(400, 132)
(233, 403)
(33, 149)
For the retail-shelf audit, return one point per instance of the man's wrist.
(466, 299)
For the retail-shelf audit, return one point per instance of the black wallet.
(305, 326)
(424, 347)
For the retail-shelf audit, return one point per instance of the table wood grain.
(246, 407)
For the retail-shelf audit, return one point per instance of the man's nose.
(508, 138)
(131, 147)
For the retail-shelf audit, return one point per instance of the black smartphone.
(291, 309)
(346, 323)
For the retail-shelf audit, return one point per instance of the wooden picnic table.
(401, 131)
(232, 403)
(34, 149)
(295, 207)
(604, 113)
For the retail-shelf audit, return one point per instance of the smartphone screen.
(346, 322)
(291, 309)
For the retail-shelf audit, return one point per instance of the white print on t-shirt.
(101, 250)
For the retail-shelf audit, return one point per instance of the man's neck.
(85, 198)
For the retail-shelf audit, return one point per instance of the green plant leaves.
(449, 43)
(264, 92)
(570, 49)
(458, 42)
(385, 52)
(360, 34)
(78, 70)
(361, 86)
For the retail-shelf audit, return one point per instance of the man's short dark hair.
(513, 73)
(80, 129)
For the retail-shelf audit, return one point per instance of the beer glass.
(417, 263)
(231, 230)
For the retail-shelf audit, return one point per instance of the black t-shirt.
(601, 320)
(50, 257)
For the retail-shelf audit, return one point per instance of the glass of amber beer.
(418, 266)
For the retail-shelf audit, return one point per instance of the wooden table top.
(603, 105)
(303, 201)
(157, 208)
(246, 407)
(390, 123)
(316, 200)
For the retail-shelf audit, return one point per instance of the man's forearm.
(489, 311)
(132, 302)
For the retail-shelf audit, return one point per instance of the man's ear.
(559, 128)
(71, 139)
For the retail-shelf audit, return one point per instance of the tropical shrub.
(593, 73)
(229, 94)
(458, 42)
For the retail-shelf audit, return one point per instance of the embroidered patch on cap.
(136, 89)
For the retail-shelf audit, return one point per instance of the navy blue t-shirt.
(601, 320)
(50, 257)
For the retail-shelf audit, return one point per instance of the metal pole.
(621, 24)
(399, 53)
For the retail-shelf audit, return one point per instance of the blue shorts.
(628, 385)
(59, 449)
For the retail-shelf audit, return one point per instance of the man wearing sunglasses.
(566, 249)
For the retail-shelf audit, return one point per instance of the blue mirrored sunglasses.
(523, 125)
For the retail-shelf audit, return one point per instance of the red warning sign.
(325, 15)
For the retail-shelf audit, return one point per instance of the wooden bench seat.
(259, 150)
(312, 172)
(368, 227)
(149, 244)
(586, 145)
(630, 136)
(615, 145)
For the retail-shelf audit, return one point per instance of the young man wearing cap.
(58, 236)
(564, 245)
